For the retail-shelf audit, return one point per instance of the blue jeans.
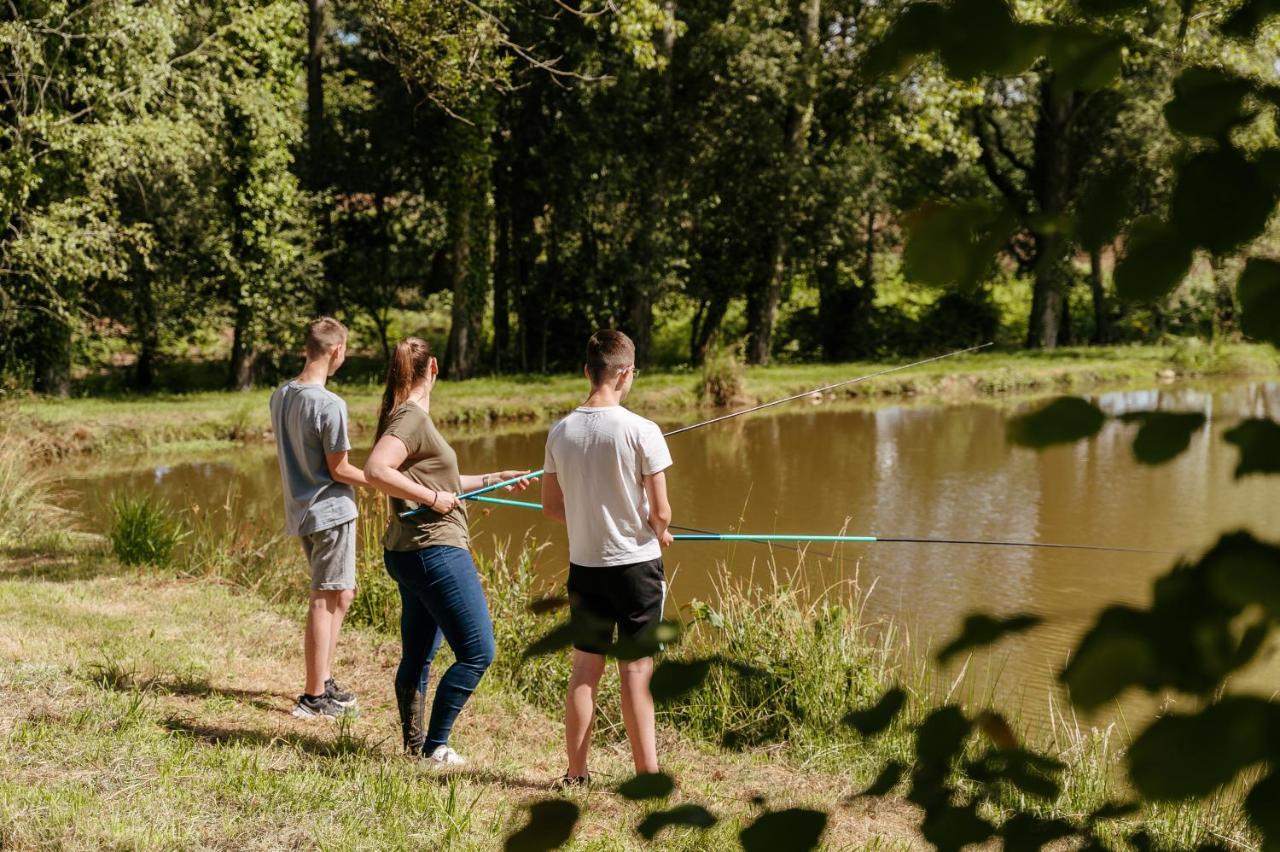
(440, 596)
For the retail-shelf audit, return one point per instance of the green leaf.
(646, 645)
(951, 245)
(550, 826)
(674, 678)
(1263, 807)
(1065, 420)
(1024, 832)
(1162, 436)
(1207, 102)
(1245, 21)
(886, 781)
(545, 605)
(1259, 443)
(1102, 210)
(794, 828)
(915, 33)
(1083, 59)
(980, 630)
(693, 816)
(1221, 200)
(1243, 571)
(1259, 292)
(1114, 655)
(559, 637)
(876, 719)
(981, 38)
(1108, 7)
(949, 827)
(648, 785)
(1190, 756)
(941, 736)
(1156, 259)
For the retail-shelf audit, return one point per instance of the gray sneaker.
(317, 707)
(338, 695)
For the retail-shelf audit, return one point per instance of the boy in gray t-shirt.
(310, 423)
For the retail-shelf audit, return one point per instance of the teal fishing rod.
(694, 534)
(472, 495)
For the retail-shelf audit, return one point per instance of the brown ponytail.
(410, 361)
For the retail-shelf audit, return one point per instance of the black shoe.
(317, 707)
(569, 783)
(338, 695)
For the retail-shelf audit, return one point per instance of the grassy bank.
(148, 708)
(205, 420)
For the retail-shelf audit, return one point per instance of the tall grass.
(31, 510)
(144, 530)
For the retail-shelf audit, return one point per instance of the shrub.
(722, 373)
(144, 531)
(30, 510)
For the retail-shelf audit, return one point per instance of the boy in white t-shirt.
(604, 480)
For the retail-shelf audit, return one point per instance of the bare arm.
(659, 506)
(383, 472)
(344, 471)
(472, 481)
(552, 498)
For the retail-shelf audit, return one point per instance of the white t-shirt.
(600, 457)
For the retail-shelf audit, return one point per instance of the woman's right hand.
(445, 502)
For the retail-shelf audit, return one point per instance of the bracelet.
(435, 495)
(484, 480)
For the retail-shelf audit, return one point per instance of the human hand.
(504, 475)
(666, 538)
(444, 502)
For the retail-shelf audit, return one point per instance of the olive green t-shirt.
(431, 463)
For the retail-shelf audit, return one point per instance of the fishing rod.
(472, 495)
(694, 534)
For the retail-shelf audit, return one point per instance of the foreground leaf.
(1024, 832)
(1259, 443)
(1263, 807)
(1243, 571)
(1114, 655)
(980, 630)
(952, 828)
(1156, 259)
(1259, 293)
(1190, 756)
(1245, 21)
(1221, 200)
(545, 605)
(794, 828)
(1163, 435)
(559, 637)
(1207, 102)
(1065, 420)
(875, 719)
(951, 245)
(942, 735)
(693, 816)
(550, 826)
(886, 781)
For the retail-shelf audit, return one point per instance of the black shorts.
(626, 597)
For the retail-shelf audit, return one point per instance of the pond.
(895, 471)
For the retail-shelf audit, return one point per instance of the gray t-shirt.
(310, 421)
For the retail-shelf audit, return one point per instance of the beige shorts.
(332, 556)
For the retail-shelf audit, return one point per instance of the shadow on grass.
(110, 674)
(225, 735)
(47, 565)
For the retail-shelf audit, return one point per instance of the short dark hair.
(608, 351)
(323, 335)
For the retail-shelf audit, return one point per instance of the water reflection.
(910, 471)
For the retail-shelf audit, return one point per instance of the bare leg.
(336, 617)
(580, 708)
(637, 712)
(319, 638)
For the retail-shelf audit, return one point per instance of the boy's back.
(600, 456)
(310, 421)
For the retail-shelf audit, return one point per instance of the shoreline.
(179, 425)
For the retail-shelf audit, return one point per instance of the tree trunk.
(502, 267)
(1225, 321)
(763, 305)
(148, 334)
(51, 357)
(706, 331)
(469, 245)
(1101, 323)
(315, 92)
(243, 349)
(1051, 182)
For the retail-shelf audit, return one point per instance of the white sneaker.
(444, 756)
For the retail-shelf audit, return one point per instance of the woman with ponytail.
(428, 555)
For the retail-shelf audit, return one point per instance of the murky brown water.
(896, 471)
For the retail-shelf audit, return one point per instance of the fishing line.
(471, 495)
